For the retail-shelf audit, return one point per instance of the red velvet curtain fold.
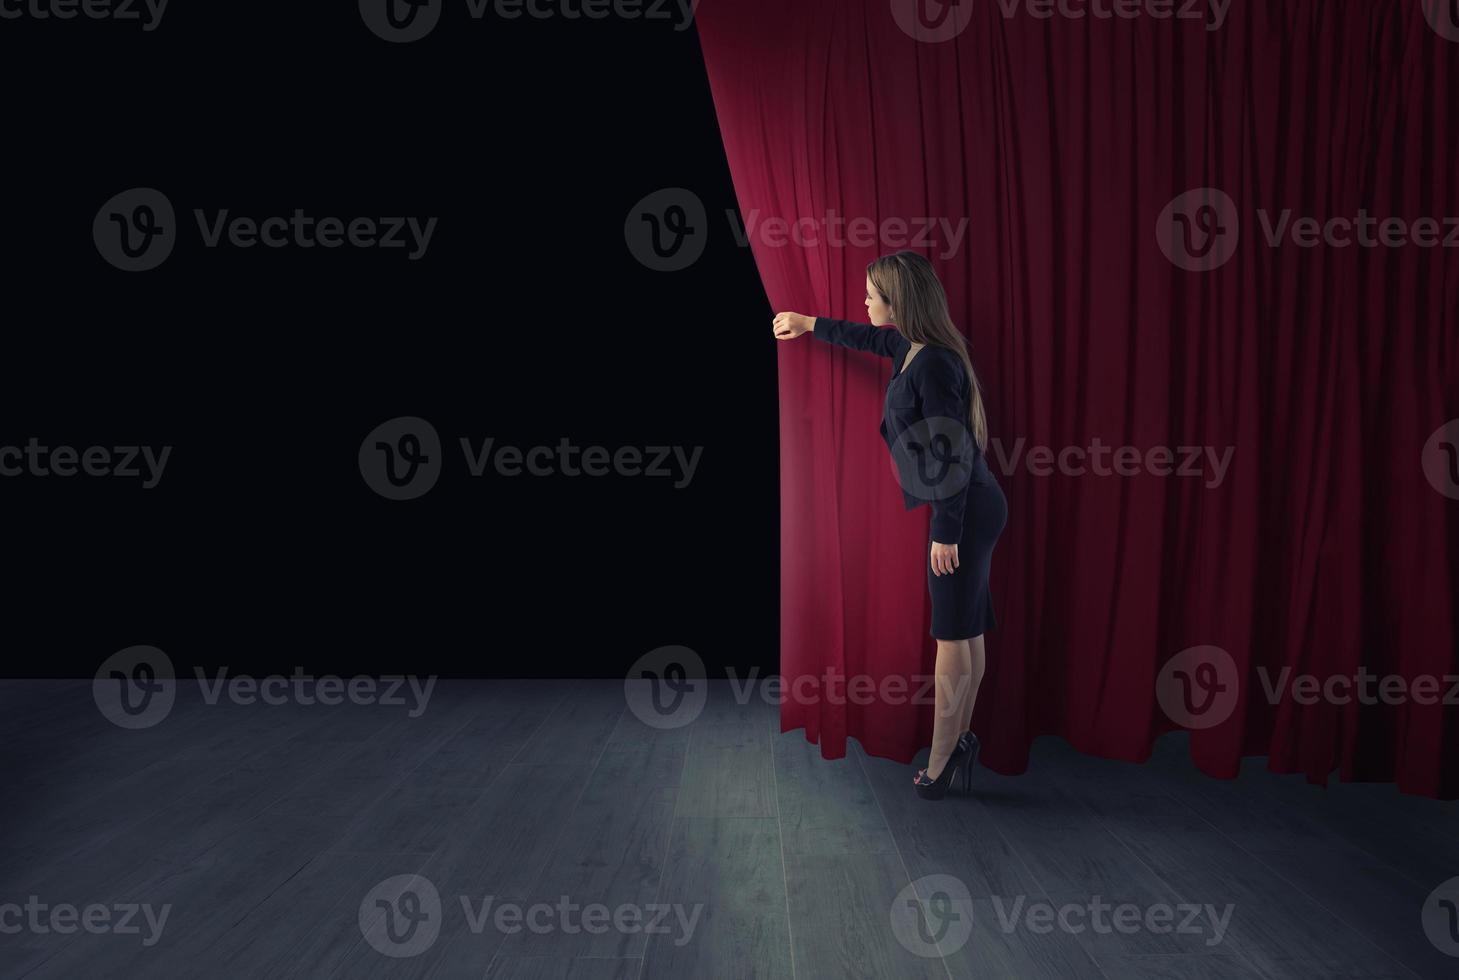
(1040, 162)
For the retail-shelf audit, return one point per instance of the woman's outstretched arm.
(887, 342)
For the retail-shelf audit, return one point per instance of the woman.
(935, 426)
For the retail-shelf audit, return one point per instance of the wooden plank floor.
(539, 829)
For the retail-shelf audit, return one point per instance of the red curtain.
(1328, 543)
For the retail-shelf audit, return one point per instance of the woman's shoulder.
(938, 366)
(936, 360)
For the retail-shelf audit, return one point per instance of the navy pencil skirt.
(962, 605)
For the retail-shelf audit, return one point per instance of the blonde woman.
(934, 424)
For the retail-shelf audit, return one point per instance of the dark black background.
(528, 319)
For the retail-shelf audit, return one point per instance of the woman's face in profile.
(879, 312)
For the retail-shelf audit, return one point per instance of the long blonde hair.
(909, 286)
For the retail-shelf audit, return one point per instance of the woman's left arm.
(943, 395)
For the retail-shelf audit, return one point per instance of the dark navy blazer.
(935, 386)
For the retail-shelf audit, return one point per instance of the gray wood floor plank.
(511, 831)
(581, 723)
(826, 806)
(1080, 865)
(840, 918)
(161, 767)
(419, 813)
(742, 699)
(1292, 870)
(172, 822)
(186, 831)
(306, 927)
(1219, 966)
(1369, 897)
(1364, 817)
(729, 771)
(563, 968)
(1274, 925)
(957, 837)
(611, 851)
(726, 884)
(510, 714)
(205, 900)
(1338, 861)
(998, 946)
(264, 829)
(497, 853)
(743, 703)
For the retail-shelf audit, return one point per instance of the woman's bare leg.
(978, 658)
(953, 687)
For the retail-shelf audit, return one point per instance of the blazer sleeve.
(887, 342)
(944, 394)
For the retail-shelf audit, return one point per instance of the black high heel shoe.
(969, 740)
(968, 743)
(936, 789)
